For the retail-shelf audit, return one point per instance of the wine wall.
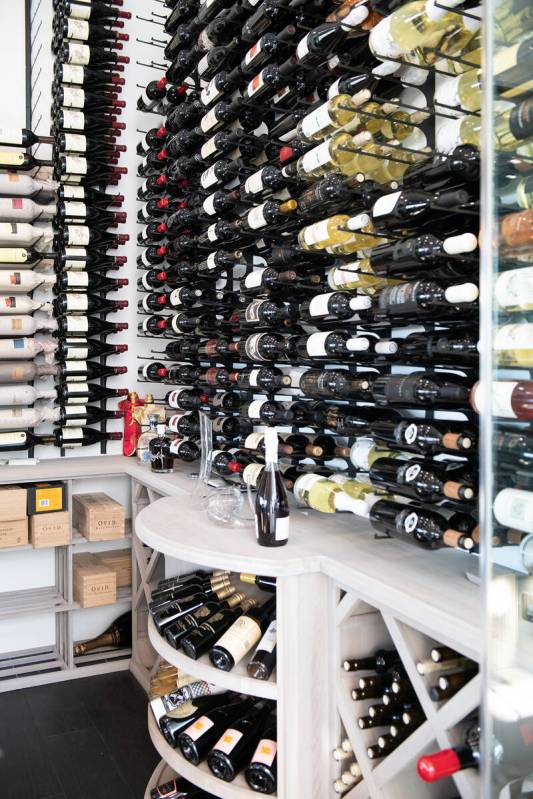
(309, 258)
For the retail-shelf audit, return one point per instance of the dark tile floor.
(82, 739)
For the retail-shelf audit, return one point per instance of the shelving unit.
(162, 773)
(346, 598)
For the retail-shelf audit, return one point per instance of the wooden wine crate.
(14, 533)
(119, 561)
(94, 583)
(98, 517)
(12, 503)
(50, 530)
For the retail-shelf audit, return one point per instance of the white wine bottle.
(25, 325)
(513, 344)
(513, 507)
(317, 492)
(513, 289)
(21, 304)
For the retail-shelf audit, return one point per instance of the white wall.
(12, 63)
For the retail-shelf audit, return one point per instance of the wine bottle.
(446, 762)
(262, 582)
(380, 661)
(427, 529)
(242, 636)
(237, 743)
(197, 642)
(182, 716)
(261, 773)
(118, 634)
(511, 399)
(196, 741)
(421, 480)
(315, 491)
(271, 506)
(263, 660)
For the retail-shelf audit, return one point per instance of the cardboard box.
(12, 503)
(47, 497)
(98, 517)
(94, 583)
(14, 533)
(50, 529)
(119, 561)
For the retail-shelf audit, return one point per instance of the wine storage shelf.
(162, 773)
(34, 600)
(234, 680)
(199, 775)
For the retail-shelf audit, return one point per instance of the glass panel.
(507, 388)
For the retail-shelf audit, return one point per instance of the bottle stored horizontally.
(242, 636)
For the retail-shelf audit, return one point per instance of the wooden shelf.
(32, 601)
(235, 680)
(79, 539)
(199, 775)
(428, 586)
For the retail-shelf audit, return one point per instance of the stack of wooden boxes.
(35, 512)
(97, 575)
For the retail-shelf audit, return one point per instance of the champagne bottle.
(237, 743)
(198, 641)
(261, 773)
(196, 741)
(262, 582)
(271, 506)
(117, 634)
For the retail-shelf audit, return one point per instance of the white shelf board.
(198, 775)
(235, 680)
(46, 599)
(426, 589)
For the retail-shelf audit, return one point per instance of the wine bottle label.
(73, 98)
(256, 217)
(227, 742)
(382, 42)
(77, 29)
(254, 279)
(75, 142)
(77, 393)
(517, 336)
(211, 260)
(75, 209)
(78, 54)
(408, 473)
(77, 324)
(244, 633)
(253, 52)
(209, 120)
(14, 255)
(8, 158)
(253, 441)
(303, 47)
(75, 353)
(78, 235)
(255, 84)
(15, 439)
(254, 408)
(210, 93)
(319, 305)
(253, 311)
(360, 453)
(208, 178)
(402, 298)
(317, 233)
(513, 507)
(209, 205)
(203, 65)
(316, 157)
(73, 414)
(514, 289)
(386, 204)
(265, 753)
(316, 121)
(251, 347)
(11, 136)
(253, 377)
(212, 234)
(502, 398)
(254, 183)
(72, 73)
(268, 641)
(73, 120)
(251, 473)
(77, 302)
(316, 344)
(75, 165)
(199, 727)
(407, 521)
